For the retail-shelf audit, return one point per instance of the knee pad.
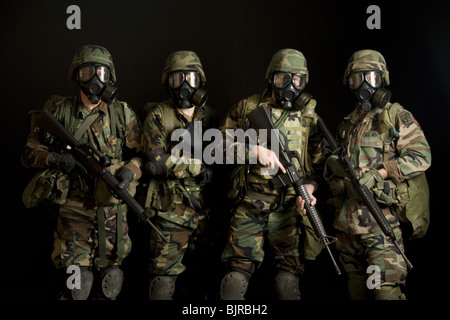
(286, 286)
(162, 288)
(86, 281)
(234, 286)
(112, 280)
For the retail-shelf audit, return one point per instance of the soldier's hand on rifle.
(267, 158)
(125, 176)
(64, 162)
(301, 203)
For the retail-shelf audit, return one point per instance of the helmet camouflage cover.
(365, 60)
(182, 61)
(94, 54)
(288, 60)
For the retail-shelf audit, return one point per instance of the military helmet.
(365, 60)
(94, 54)
(288, 60)
(180, 61)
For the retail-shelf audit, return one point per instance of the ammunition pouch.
(103, 195)
(385, 192)
(47, 184)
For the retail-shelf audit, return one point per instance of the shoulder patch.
(405, 118)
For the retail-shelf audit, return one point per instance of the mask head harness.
(368, 89)
(184, 77)
(288, 75)
(367, 75)
(93, 69)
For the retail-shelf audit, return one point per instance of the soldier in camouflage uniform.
(266, 213)
(382, 165)
(92, 230)
(176, 187)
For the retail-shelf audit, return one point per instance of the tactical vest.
(162, 195)
(49, 184)
(54, 185)
(240, 174)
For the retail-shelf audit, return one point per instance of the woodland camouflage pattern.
(288, 60)
(78, 210)
(365, 60)
(92, 54)
(409, 156)
(176, 217)
(182, 61)
(255, 215)
(362, 135)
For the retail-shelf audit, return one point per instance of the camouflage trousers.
(79, 240)
(250, 226)
(358, 252)
(183, 226)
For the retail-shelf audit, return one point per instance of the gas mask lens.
(176, 79)
(373, 78)
(87, 72)
(282, 79)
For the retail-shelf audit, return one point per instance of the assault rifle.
(87, 156)
(364, 193)
(260, 118)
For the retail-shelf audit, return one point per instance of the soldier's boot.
(389, 293)
(162, 287)
(112, 281)
(234, 286)
(286, 286)
(357, 286)
(86, 280)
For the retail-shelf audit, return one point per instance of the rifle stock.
(261, 119)
(363, 192)
(86, 155)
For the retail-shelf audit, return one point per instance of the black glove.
(125, 176)
(64, 162)
(205, 176)
(156, 164)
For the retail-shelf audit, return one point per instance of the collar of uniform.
(83, 112)
(355, 116)
(198, 114)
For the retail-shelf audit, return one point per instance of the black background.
(235, 41)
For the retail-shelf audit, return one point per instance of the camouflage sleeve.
(133, 141)
(235, 151)
(412, 149)
(155, 136)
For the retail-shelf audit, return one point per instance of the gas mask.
(94, 81)
(287, 87)
(368, 89)
(185, 89)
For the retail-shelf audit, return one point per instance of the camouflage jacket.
(123, 146)
(293, 129)
(156, 134)
(407, 155)
(181, 186)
